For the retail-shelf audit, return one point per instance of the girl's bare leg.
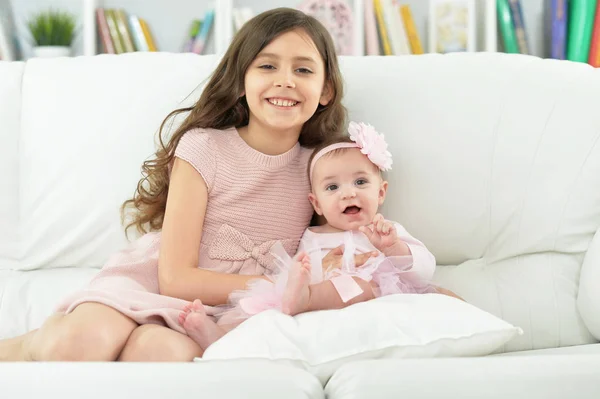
(11, 349)
(92, 332)
(156, 343)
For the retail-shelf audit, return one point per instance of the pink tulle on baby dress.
(389, 277)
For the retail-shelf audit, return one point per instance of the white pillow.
(396, 326)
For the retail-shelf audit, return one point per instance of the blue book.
(202, 37)
(557, 28)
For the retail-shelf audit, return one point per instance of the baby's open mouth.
(351, 210)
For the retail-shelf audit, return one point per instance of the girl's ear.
(243, 93)
(382, 191)
(315, 203)
(327, 94)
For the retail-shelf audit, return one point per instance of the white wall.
(170, 19)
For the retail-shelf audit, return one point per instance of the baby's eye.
(331, 187)
(266, 66)
(304, 70)
(360, 182)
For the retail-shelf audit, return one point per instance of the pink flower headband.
(370, 143)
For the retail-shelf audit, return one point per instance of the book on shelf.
(519, 25)
(200, 40)
(122, 33)
(389, 28)
(396, 29)
(594, 56)
(370, 28)
(557, 12)
(580, 27)
(411, 30)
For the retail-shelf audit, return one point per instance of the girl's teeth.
(282, 103)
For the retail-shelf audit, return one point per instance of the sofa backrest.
(11, 75)
(87, 126)
(496, 166)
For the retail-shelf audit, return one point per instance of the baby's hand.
(333, 260)
(384, 237)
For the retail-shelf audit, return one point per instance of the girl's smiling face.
(285, 83)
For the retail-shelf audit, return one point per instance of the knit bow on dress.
(232, 245)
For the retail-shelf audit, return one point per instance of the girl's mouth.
(279, 102)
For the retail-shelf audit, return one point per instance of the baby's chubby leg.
(300, 296)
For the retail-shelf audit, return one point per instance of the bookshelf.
(170, 20)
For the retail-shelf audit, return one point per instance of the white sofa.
(497, 170)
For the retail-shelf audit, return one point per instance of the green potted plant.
(52, 32)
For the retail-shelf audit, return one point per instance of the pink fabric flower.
(371, 143)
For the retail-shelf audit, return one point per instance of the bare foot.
(199, 326)
(296, 296)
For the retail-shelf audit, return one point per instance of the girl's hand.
(333, 260)
(384, 237)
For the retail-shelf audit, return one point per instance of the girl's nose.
(285, 79)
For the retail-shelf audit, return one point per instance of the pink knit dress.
(254, 201)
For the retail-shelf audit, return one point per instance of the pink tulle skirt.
(386, 278)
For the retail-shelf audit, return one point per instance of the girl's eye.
(266, 66)
(304, 70)
(360, 182)
(331, 187)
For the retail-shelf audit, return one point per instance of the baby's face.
(347, 189)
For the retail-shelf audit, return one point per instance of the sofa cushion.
(396, 326)
(102, 380)
(531, 377)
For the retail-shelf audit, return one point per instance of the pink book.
(106, 40)
(372, 40)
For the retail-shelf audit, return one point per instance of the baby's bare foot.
(296, 296)
(199, 326)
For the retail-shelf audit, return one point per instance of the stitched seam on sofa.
(524, 200)
(18, 234)
(559, 95)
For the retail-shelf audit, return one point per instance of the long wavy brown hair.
(220, 106)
